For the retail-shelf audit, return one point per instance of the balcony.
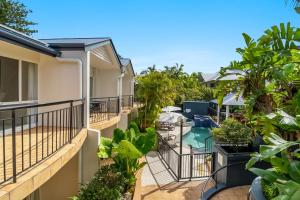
(30, 134)
(104, 112)
(127, 102)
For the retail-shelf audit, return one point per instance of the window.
(11, 75)
(9, 80)
(29, 81)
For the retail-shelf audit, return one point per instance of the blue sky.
(201, 34)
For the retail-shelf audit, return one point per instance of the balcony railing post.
(213, 157)
(82, 114)
(179, 167)
(118, 106)
(108, 108)
(14, 146)
(191, 162)
(71, 122)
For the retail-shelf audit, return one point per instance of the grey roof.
(80, 44)
(125, 62)
(231, 100)
(74, 42)
(232, 75)
(210, 76)
(12, 36)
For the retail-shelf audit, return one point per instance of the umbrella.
(171, 109)
(171, 117)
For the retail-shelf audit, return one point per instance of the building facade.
(57, 98)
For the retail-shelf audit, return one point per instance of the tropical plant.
(266, 69)
(171, 86)
(285, 172)
(14, 15)
(232, 133)
(107, 184)
(126, 148)
(154, 90)
(277, 122)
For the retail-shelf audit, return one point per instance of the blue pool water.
(196, 137)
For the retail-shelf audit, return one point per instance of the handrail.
(167, 144)
(40, 104)
(101, 108)
(104, 97)
(182, 160)
(38, 135)
(215, 172)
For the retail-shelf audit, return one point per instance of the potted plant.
(233, 149)
(282, 180)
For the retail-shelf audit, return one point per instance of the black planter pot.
(256, 192)
(235, 174)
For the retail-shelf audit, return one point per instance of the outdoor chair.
(167, 126)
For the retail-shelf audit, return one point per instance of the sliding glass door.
(9, 80)
(18, 85)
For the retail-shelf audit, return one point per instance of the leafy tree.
(154, 90)
(170, 86)
(265, 71)
(14, 15)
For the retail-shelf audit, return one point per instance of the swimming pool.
(196, 137)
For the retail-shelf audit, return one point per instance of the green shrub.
(126, 149)
(269, 189)
(107, 184)
(233, 133)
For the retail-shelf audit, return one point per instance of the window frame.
(11, 103)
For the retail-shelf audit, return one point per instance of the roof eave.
(14, 38)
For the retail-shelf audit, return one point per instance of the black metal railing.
(127, 101)
(209, 143)
(185, 166)
(104, 108)
(169, 155)
(214, 177)
(31, 133)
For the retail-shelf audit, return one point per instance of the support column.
(227, 112)
(86, 88)
(132, 87)
(120, 90)
(218, 114)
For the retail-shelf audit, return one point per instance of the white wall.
(106, 82)
(126, 85)
(108, 132)
(58, 81)
(64, 184)
(89, 155)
